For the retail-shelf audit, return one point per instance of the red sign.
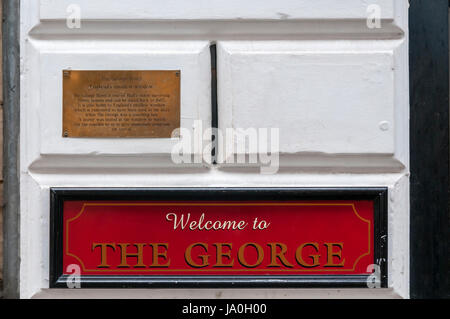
(218, 238)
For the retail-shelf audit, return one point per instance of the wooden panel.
(1, 59)
(1, 186)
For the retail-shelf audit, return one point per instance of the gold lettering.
(331, 254)
(125, 255)
(241, 255)
(280, 255)
(220, 254)
(204, 258)
(103, 253)
(157, 254)
(299, 255)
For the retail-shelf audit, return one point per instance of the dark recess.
(429, 149)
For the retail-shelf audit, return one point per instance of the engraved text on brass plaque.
(120, 103)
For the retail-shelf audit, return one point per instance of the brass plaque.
(121, 103)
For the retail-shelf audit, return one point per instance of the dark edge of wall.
(429, 148)
(11, 109)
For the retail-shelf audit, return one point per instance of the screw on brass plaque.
(66, 133)
(176, 133)
(177, 74)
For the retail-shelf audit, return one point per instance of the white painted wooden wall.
(336, 89)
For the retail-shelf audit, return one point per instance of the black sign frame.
(59, 195)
